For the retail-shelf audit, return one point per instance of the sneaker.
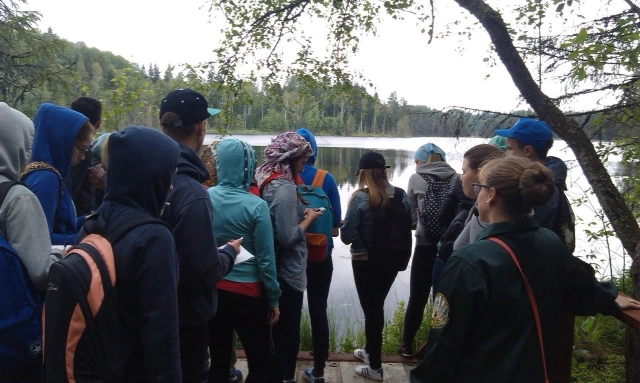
(307, 374)
(361, 354)
(369, 372)
(235, 376)
(405, 350)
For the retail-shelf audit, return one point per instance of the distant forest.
(131, 94)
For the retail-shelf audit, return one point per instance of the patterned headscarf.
(277, 154)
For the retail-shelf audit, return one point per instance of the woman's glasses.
(82, 149)
(477, 187)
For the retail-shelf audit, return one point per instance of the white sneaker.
(370, 373)
(361, 354)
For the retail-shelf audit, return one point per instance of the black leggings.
(373, 285)
(248, 315)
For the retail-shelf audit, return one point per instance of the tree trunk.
(608, 195)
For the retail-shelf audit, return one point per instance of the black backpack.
(434, 198)
(82, 335)
(392, 235)
(565, 224)
(20, 310)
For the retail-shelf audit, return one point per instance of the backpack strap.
(532, 300)
(40, 165)
(5, 187)
(318, 180)
(272, 177)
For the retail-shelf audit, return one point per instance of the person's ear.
(202, 128)
(530, 152)
(491, 195)
(97, 124)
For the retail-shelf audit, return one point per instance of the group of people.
(225, 253)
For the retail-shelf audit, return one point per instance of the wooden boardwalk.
(341, 368)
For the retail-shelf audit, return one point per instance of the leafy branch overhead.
(277, 39)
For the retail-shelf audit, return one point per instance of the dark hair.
(541, 153)
(89, 107)
(520, 183)
(176, 132)
(480, 154)
(86, 131)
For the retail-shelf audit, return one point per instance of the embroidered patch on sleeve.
(440, 316)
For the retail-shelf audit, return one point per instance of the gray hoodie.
(22, 221)
(417, 188)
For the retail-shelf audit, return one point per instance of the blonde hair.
(375, 181)
(104, 153)
(434, 157)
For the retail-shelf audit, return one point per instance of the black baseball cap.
(371, 160)
(188, 104)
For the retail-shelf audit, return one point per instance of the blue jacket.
(189, 213)
(329, 185)
(56, 129)
(142, 162)
(238, 213)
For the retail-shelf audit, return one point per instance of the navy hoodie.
(202, 266)
(141, 164)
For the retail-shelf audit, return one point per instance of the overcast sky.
(398, 59)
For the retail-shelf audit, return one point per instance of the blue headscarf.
(426, 150)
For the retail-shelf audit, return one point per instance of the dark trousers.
(193, 351)
(373, 285)
(248, 315)
(318, 282)
(419, 290)
(286, 334)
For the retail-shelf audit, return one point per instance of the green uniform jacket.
(483, 329)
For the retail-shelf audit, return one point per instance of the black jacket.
(202, 266)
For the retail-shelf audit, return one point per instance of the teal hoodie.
(238, 213)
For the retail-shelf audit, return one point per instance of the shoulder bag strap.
(532, 300)
(318, 180)
(40, 165)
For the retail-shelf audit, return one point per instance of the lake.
(340, 156)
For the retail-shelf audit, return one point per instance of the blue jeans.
(318, 282)
(286, 334)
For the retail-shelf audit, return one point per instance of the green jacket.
(483, 329)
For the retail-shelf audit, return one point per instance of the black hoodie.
(141, 164)
(190, 215)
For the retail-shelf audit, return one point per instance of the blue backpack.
(319, 232)
(20, 310)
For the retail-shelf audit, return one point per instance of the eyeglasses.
(82, 149)
(477, 187)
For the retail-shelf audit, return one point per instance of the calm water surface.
(340, 155)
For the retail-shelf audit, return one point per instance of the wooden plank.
(332, 373)
(630, 317)
(394, 373)
(300, 366)
(241, 364)
(407, 369)
(349, 373)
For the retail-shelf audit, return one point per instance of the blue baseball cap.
(532, 132)
(426, 150)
